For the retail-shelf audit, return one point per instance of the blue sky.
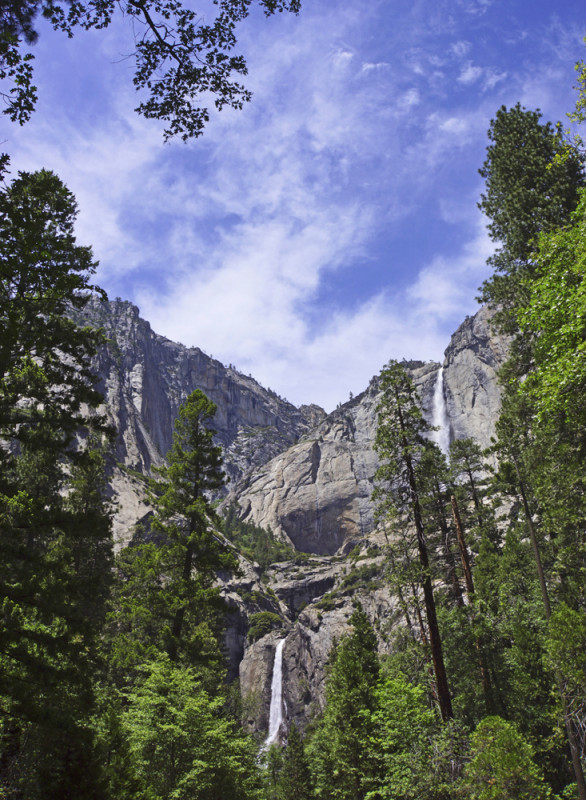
(332, 224)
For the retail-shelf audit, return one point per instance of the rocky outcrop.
(308, 646)
(306, 476)
(471, 389)
(309, 637)
(245, 594)
(145, 378)
(297, 585)
(317, 493)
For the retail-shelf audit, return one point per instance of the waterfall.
(276, 710)
(440, 415)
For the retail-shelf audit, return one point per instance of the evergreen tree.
(340, 757)
(183, 746)
(433, 481)
(401, 741)
(192, 553)
(294, 779)
(45, 367)
(400, 442)
(530, 188)
(54, 524)
(502, 765)
(165, 598)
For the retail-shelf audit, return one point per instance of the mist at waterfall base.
(276, 708)
(440, 417)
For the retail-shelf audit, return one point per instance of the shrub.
(262, 623)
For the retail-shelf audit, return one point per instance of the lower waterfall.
(440, 417)
(276, 709)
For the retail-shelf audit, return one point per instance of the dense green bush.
(262, 623)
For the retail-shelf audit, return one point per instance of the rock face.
(471, 390)
(317, 493)
(306, 476)
(145, 378)
(310, 634)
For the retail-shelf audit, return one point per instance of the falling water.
(440, 415)
(276, 710)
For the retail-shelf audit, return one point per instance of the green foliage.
(54, 523)
(181, 745)
(294, 778)
(191, 553)
(400, 741)
(361, 578)
(255, 542)
(402, 445)
(339, 750)
(163, 636)
(178, 55)
(272, 760)
(164, 597)
(555, 315)
(262, 623)
(45, 373)
(565, 651)
(528, 191)
(328, 601)
(502, 766)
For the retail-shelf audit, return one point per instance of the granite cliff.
(306, 475)
(145, 377)
(317, 493)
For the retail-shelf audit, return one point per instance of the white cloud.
(231, 242)
(369, 67)
(411, 98)
(250, 310)
(492, 77)
(470, 74)
(460, 49)
(454, 125)
(446, 286)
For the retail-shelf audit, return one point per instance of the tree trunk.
(443, 690)
(462, 546)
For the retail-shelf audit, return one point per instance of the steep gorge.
(305, 475)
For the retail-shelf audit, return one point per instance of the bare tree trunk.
(450, 560)
(462, 546)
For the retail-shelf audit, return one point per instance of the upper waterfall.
(440, 417)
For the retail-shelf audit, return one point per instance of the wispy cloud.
(277, 242)
(470, 74)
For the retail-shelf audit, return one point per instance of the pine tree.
(192, 553)
(294, 779)
(340, 758)
(400, 442)
(530, 188)
(54, 524)
(165, 597)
